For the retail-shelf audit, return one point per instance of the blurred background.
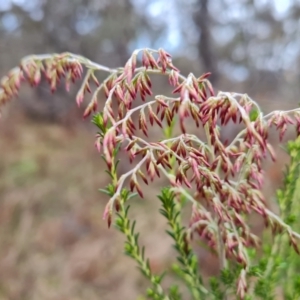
(53, 241)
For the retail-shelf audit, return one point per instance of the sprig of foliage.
(126, 226)
(222, 181)
(132, 249)
(281, 264)
(186, 257)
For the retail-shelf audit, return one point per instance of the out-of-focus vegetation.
(53, 241)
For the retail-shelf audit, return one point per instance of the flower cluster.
(228, 178)
(223, 182)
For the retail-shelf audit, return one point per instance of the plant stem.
(132, 249)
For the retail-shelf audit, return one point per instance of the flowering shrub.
(221, 181)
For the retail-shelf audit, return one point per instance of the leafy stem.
(127, 227)
(187, 258)
(133, 249)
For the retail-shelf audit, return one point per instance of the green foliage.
(279, 266)
(188, 260)
(254, 114)
(132, 249)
